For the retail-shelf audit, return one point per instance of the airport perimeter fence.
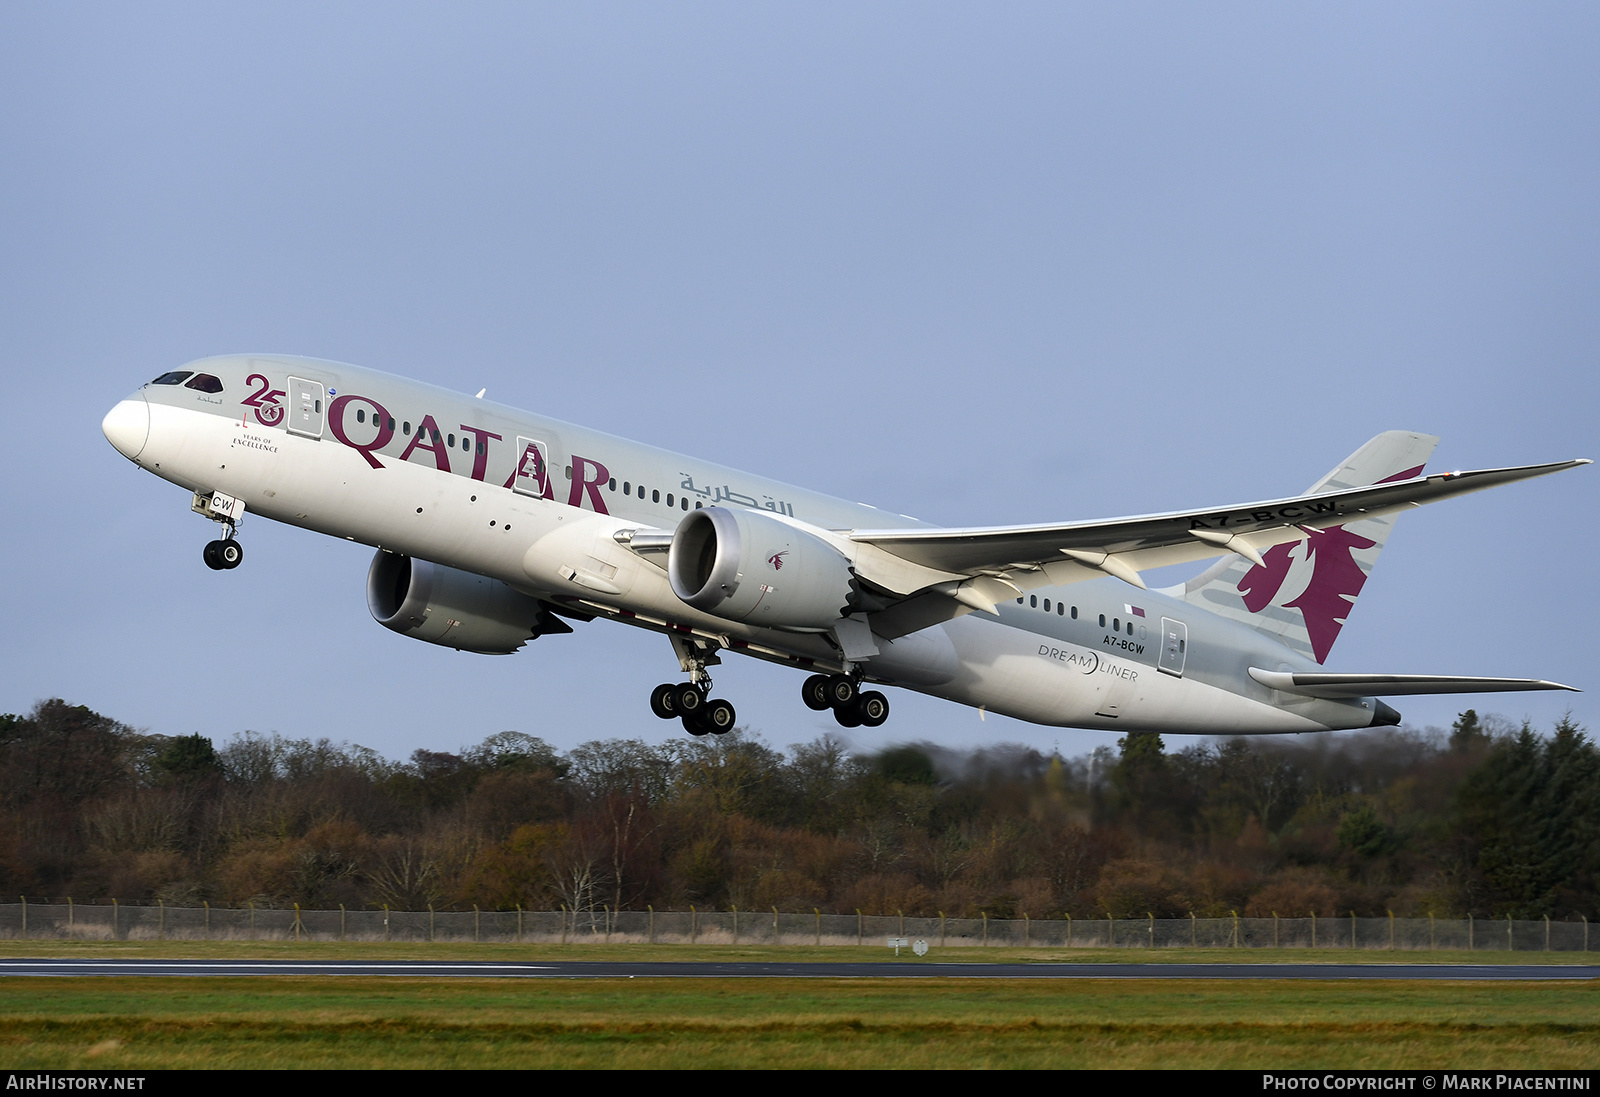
(116, 921)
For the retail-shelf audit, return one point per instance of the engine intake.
(746, 566)
(454, 608)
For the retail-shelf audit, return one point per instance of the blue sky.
(1046, 262)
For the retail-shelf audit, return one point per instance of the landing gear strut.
(691, 701)
(843, 694)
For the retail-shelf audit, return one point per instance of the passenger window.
(627, 487)
(698, 504)
(683, 504)
(569, 472)
(655, 496)
(176, 377)
(1116, 626)
(669, 499)
(613, 484)
(1033, 601)
(1130, 628)
(1047, 605)
(405, 428)
(391, 422)
(361, 416)
(1074, 613)
(437, 439)
(203, 382)
(1061, 609)
(452, 441)
(1102, 620)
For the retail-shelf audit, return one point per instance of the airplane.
(494, 527)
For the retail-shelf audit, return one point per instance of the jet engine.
(746, 566)
(454, 608)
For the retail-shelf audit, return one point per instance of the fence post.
(519, 923)
(902, 931)
(1235, 927)
(860, 938)
(563, 923)
(1274, 929)
(818, 913)
(161, 923)
(341, 921)
(296, 921)
(1027, 939)
(1152, 916)
(1111, 931)
(1313, 929)
(1391, 931)
(116, 930)
(1069, 927)
(694, 924)
(736, 925)
(652, 927)
(251, 903)
(475, 924)
(774, 925)
(24, 917)
(1469, 931)
(387, 931)
(1432, 941)
(1547, 933)
(1585, 918)
(941, 929)
(985, 928)
(1194, 934)
(70, 921)
(1510, 944)
(430, 923)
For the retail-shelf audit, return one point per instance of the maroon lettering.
(581, 467)
(380, 418)
(269, 413)
(429, 438)
(480, 451)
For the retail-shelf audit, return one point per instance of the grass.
(371, 1023)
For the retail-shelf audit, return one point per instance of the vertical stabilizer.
(1303, 594)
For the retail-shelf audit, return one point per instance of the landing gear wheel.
(873, 708)
(847, 716)
(689, 700)
(230, 554)
(695, 725)
(718, 717)
(814, 692)
(841, 691)
(213, 556)
(663, 701)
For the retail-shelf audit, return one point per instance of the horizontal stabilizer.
(1335, 686)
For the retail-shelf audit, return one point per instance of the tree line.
(1487, 818)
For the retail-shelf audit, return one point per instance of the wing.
(1393, 685)
(1002, 561)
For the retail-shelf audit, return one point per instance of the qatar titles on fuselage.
(495, 526)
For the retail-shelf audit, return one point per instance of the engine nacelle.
(746, 566)
(453, 608)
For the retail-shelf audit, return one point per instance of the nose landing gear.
(223, 554)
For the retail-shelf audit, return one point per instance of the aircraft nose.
(127, 426)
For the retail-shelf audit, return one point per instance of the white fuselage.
(1089, 660)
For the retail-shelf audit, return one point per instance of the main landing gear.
(691, 701)
(851, 707)
(688, 701)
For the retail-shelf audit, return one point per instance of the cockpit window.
(174, 378)
(204, 382)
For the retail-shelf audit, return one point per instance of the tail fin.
(1304, 593)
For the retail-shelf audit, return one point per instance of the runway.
(910, 969)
